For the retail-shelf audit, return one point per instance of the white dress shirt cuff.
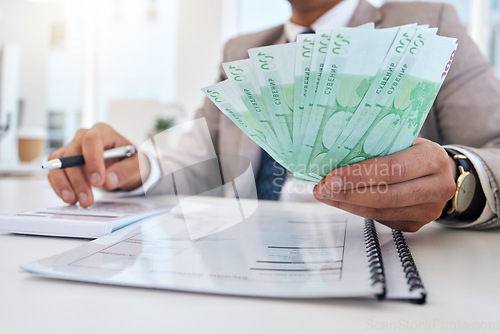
(484, 179)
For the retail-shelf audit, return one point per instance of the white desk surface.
(460, 269)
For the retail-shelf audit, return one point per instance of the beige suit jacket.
(466, 112)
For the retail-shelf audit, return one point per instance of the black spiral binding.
(374, 255)
(409, 267)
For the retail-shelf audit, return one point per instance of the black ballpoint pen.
(77, 160)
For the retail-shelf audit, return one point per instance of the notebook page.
(274, 253)
(396, 281)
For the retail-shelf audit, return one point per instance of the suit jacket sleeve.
(467, 113)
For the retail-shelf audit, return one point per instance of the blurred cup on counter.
(31, 142)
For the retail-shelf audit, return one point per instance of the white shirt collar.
(338, 16)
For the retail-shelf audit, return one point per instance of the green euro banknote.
(418, 93)
(274, 70)
(352, 61)
(321, 42)
(242, 75)
(352, 86)
(383, 91)
(366, 133)
(318, 53)
(336, 97)
(363, 91)
(226, 98)
(303, 56)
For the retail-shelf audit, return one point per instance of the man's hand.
(404, 190)
(74, 184)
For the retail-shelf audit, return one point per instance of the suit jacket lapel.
(365, 13)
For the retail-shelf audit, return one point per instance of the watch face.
(465, 193)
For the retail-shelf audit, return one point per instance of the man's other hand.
(404, 190)
(75, 184)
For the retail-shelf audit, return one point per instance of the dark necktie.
(270, 178)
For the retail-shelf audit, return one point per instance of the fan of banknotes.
(336, 97)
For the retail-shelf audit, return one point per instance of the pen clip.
(120, 152)
(130, 150)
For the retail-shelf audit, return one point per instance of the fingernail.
(67, 196)
(112, 179)
(82, 198)
(95, 178)
(335, 182)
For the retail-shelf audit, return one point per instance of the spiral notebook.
(283, 252)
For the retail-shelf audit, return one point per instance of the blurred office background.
(129, 62)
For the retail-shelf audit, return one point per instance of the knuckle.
(90, 135)
(72, 149)
(101, 128)
(448, 190)
(433, 213)
(80, 133)
(441, 159)
(101, 125)
(441, 163)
